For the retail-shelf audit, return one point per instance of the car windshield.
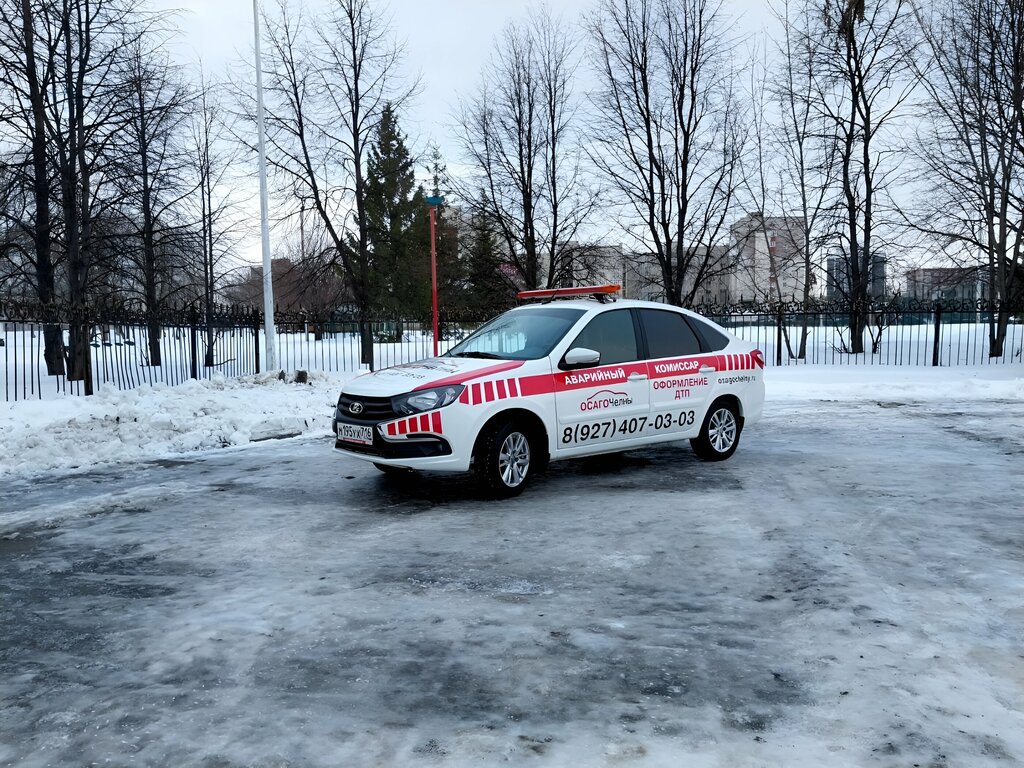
(521, 334)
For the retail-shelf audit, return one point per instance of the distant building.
(641, 277)
(838, 282)
(769, 261)
(718, 284)
(949, 283)
(763, 261)
(593, 264)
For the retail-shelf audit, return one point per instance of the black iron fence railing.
(60, 349)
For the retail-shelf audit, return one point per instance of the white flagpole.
(268, 278)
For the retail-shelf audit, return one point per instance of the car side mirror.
(581, 357)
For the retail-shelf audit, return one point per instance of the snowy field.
(847, 590)
(120, 357)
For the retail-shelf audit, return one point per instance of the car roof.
(592, 304)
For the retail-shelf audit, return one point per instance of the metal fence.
(191, 343)
(901, 332)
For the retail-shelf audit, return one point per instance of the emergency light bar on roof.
(599, 292)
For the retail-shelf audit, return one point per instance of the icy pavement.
(847, 590)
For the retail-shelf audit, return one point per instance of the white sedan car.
(575, 375)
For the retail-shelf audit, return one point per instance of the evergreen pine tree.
(488, 291)
(396, 215)
(451, 278)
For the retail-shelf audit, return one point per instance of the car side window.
(612, 334)
(668, 334)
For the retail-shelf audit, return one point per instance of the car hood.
(425, 374)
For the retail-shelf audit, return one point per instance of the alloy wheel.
(514, 459)
(722, 430)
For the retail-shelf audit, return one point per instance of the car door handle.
(707, 369)
(637, 377)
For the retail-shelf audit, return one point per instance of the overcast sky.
(447, 42)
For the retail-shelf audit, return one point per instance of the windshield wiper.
(481, 355)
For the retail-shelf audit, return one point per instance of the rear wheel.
(719, 434)
(504, 459)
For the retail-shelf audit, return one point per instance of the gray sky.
(447, 42)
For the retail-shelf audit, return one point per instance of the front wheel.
(503, 460)
(719, 434)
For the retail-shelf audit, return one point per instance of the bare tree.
(154, 180)
(327, 85)
(214, 200)
(972, 144)
(85, 113)
(865, 70)
(27, 59)
(667, 133)
(806, 143)
(757, 237)
(519, 134)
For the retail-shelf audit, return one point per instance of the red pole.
(433, 273)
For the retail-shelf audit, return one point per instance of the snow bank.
(160, 421)
(75, 432)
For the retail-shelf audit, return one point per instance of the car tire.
(719, 434)
(505, 460)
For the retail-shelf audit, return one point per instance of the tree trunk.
(153, 321)
(81, 359)
(208, 360)
(997, 340)
(53, 338)
(366, 342)
(153, 331)
(858, 324)
(53, 350)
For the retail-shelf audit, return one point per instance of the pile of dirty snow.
(75, 432)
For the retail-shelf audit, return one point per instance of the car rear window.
(714, 339)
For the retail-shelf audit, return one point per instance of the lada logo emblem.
(355, 408)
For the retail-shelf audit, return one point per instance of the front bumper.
(414, 451)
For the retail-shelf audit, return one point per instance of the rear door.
(606, 403)
(682, 378)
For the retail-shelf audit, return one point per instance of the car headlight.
(427, 399)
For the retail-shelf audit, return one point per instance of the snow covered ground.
(847, 590)
(76, 433)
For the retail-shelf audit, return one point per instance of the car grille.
(375, 409)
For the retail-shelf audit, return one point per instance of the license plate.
(353, 434)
